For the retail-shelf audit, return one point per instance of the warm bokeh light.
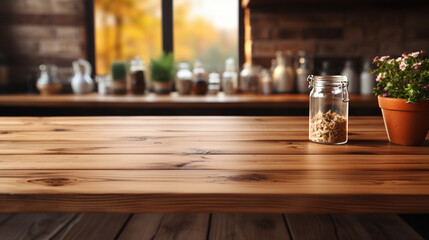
(204, 30)
(126, 28)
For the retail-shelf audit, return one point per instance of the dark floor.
(203, 226)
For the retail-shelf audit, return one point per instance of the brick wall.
(41, 31)
(337, 30)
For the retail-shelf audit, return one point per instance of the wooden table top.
(205, 164)
(152, 100)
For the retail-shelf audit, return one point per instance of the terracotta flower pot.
(406, 123)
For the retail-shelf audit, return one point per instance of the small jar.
(104, 84)
(249, 79)
(329, 109)
(200, 85)
(266, 82)
(214, 83)
(137, 76)
(303, 69)
(229, 78)
(184, 79)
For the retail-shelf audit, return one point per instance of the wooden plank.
(4, 217)
(373, 226)
(287, 147)
(248, 227)
(33, 226)
(311, 226)
(205, 128)
(175, 120)
(93, 226)
(214, 162)
(142, 226)
(166, 226)
(216, 203)
(194, 182)
(171, 129)
(61, 134)
(51, 166)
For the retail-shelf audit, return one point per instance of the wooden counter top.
(205, 164)
(173, 100)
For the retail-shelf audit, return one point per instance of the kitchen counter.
(205, 164)
(173, 104)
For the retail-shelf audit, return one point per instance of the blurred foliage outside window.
(203, 29)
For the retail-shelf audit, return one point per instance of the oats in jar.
(328, 127)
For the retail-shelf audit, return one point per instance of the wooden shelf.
(292, 101)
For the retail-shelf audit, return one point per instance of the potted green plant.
(162, 73)
(119, 77)
(403, 96)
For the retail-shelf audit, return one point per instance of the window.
(206, 30)
(202, 29)
(126, 28)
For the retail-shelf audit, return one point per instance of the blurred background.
(330, 36)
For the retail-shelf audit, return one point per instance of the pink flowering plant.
(406, 77)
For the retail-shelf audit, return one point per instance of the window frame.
(167, 30)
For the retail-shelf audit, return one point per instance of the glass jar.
(200, 85)
(104, 84)
(184, 79)
(214, 83)
(249, 79)
(329, 109)
(266, 82)
(48, 82)
(303, 69)
(137, 76)
(229, 78)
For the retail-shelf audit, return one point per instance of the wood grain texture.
(167, 227)
(33, 226)
(91, 226)
(205, 164)
(311, 226)
(173, 100)
(248, 227)
(142, 226)
(377, 227)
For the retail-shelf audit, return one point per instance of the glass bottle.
(200, 83)
(229, 77)
(325, 68)
(249, 79)
(81, 82)
(303, 69)
(184, 79)
(137, 76)
(266, 82)
(329, 109)
(283, 75)
(367, 79)
(351, 75)
(214, 83)
(273, 66)
(104, 84)
(48, 82)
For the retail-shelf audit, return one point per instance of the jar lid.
(328, 80)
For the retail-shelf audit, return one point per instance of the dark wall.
(333, 29)
(42, 31)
